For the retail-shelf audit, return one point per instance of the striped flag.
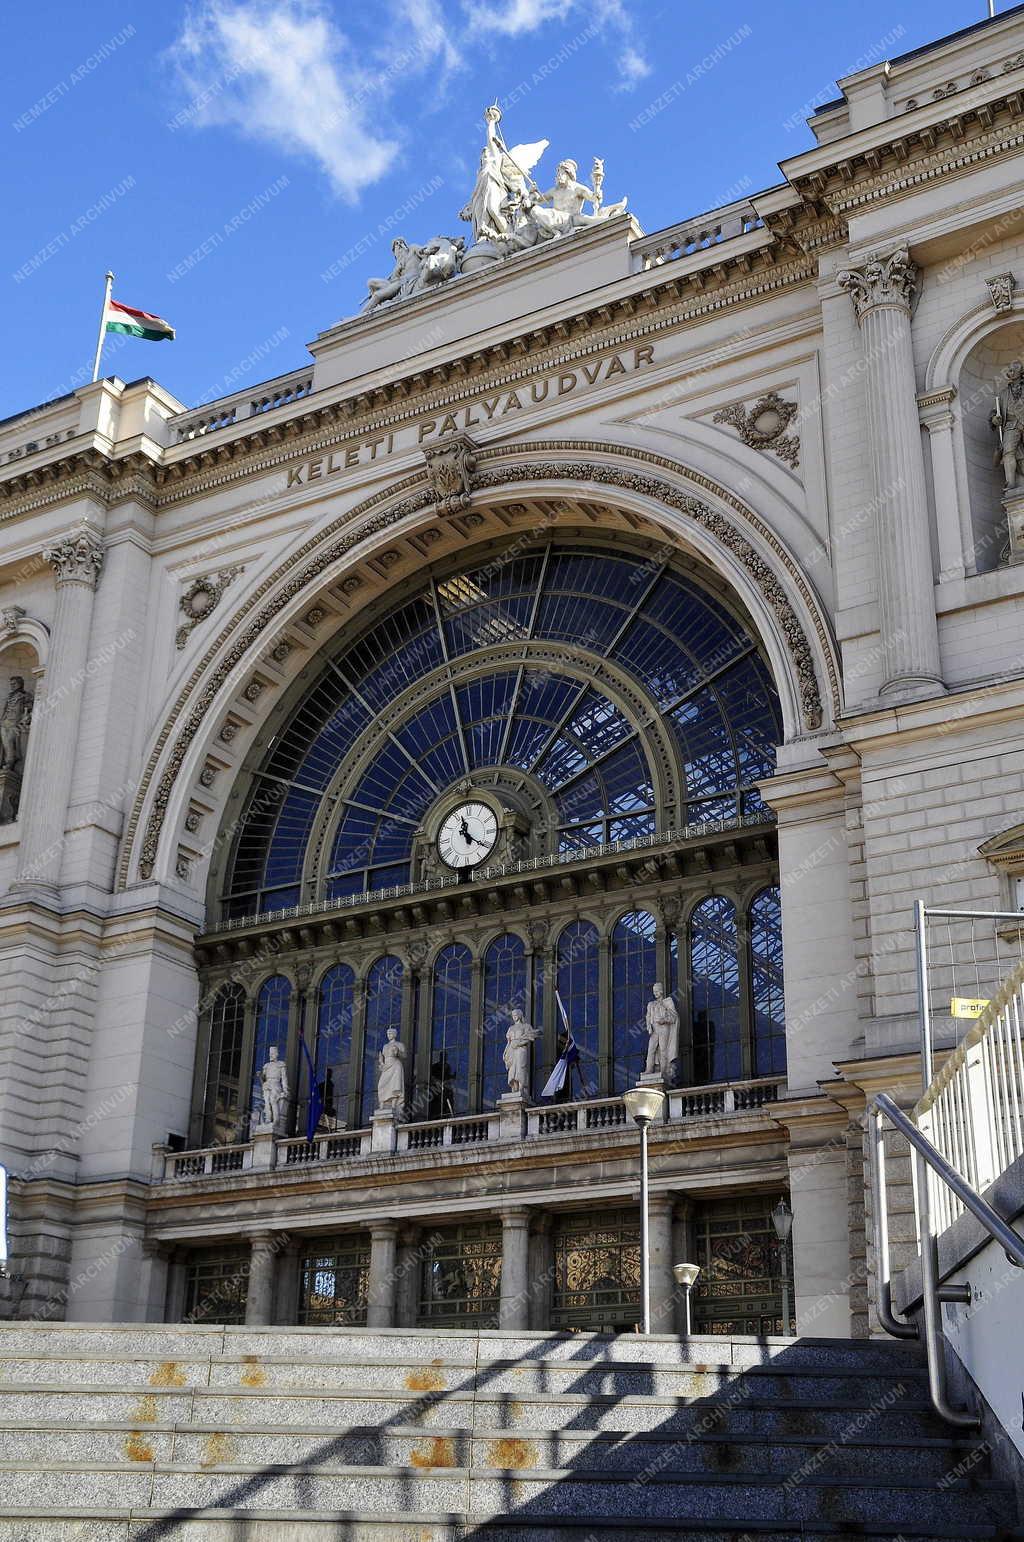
(125, 318)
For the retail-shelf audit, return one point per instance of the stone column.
(663, 1284)
(381, 1289)
(542, 1272)
(259, 1300)
(882, 290)
(286, 1306)
(514, 1310)
(408, 1271)
(76, 561)
(156, 1268)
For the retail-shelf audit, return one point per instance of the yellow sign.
(967, 1006)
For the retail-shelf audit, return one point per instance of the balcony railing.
(702, 829)
(245, 404)
(267, 1151)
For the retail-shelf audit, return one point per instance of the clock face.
(468, 835)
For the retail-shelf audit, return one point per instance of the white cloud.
(632, 67)
(513, 18)
(280, 71)
(518, 18)
(430, 37)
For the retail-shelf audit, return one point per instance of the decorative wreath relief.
(764, 426)
(200, 600)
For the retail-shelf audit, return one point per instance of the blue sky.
(242, 165)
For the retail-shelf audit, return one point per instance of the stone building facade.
(686, 558)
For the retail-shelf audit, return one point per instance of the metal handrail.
(927, 1158)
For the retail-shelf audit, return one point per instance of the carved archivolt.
(262, 612)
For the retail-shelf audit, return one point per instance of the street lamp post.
(782, 1220)
(686, 1276)
(644, 1104)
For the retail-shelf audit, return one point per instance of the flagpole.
(103, 326)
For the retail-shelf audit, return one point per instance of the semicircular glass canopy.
(695, 663)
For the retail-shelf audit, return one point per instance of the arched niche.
(982, 374)
(21, 667)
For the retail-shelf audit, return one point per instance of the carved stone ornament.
(200, 599)
(78, 558)
(350, 584)
(1000, 288)
(764, 426)
(314, 617)
(891, 280)
(450, 467)
(11, 617)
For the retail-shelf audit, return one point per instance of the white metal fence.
(973, 1111)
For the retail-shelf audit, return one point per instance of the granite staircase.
(295, 1435)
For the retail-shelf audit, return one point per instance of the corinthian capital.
(891, 280)
(78, 558)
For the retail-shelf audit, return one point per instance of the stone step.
(517, 1377)
(263, 1525)
(203, 1446)
(417, 1346)
(256, 1408)
(553, 1493)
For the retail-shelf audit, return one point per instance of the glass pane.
(504, 991)
(449, 1042)
(766, 984)
(272, 1011)
(714, 972)
(577, 966)
(224, 1122)
(384, 981)
(634, 971)
(334, 1042)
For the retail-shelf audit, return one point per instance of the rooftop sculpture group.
(508, 213)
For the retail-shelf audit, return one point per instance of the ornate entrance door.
(740, 1285)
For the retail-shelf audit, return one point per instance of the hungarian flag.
(124, 318)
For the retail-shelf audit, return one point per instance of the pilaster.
(883, 288)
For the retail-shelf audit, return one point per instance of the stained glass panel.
(449, 1043)
(634, 971)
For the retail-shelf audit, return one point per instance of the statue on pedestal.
(15, 720)
(518, 1038)
(1007, 419)
(274, 1081)
(391, 1073)
(663, 1028)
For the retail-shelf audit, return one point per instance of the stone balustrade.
(267, 1151)
(705, 233)
(244, 404)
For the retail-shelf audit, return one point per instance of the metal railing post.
(880, 1219)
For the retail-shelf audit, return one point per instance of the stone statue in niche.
(391, 1073)
(663, 1028)
(274, 1081)
(15, 721)
(518, 1038)
(1007, 420)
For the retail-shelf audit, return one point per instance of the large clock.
(467, 835)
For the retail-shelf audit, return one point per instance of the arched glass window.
(634, 971)
(715, 978)
(504, 989)
(766, 983)
(449, 1033)
(577, 985)
(383, 1011)
(224, 1073)
(694, 661)
(334, 1039)
(272, 1006)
